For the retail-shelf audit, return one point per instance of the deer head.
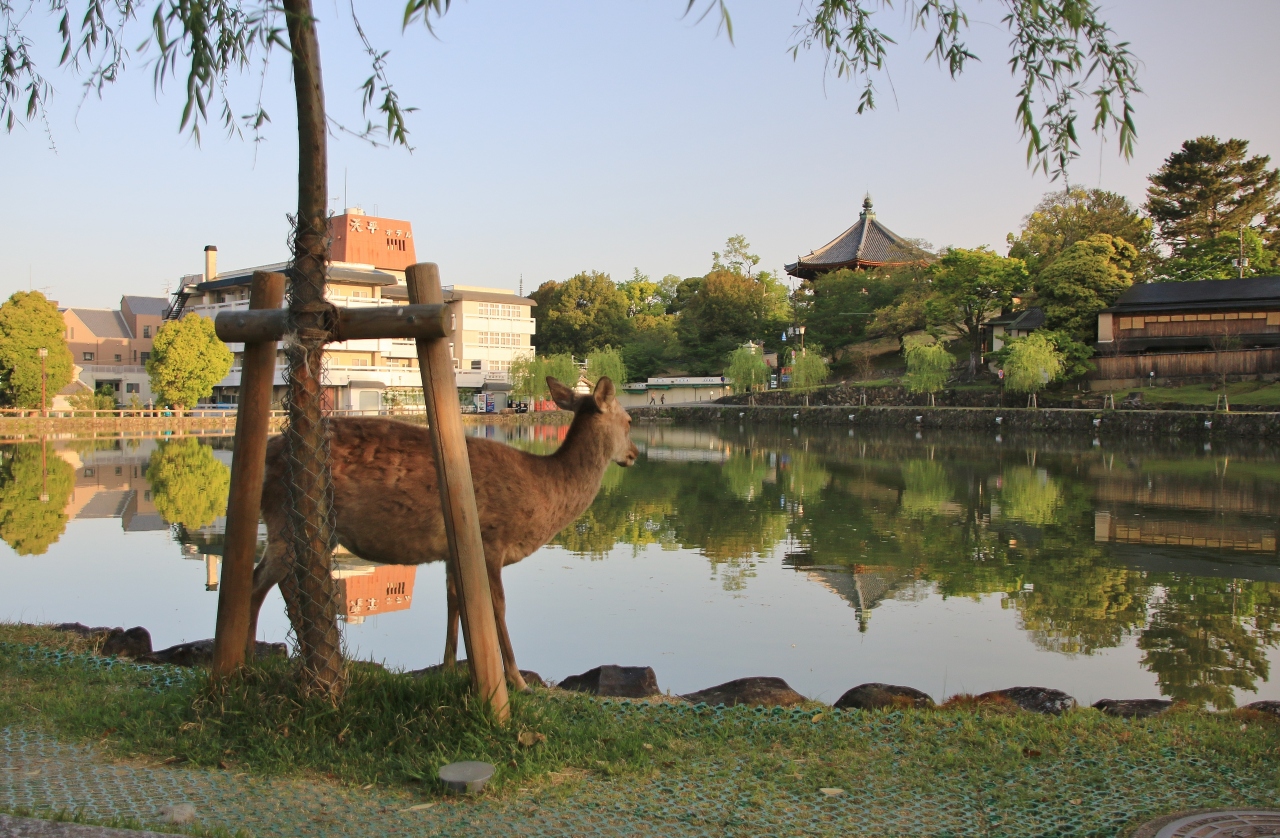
(601, 413)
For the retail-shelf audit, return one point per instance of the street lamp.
(44, 377)
(796, 331)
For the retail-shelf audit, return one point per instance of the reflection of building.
(112, 483)
(110, 347)
(862, 586)
(1215, 534)
(367, 589)
(490, 327)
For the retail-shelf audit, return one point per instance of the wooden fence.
(1185, 364)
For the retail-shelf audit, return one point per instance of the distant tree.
(970, 287)
(187, 360)
(645, 296)
(35, 485)
(585, 312)
(104, 398)
(1063, 218)
(1088, 276)
(928, 365)
(838, 307)
(737, 257)
(562, 367)
(747, 371)
(727, 310)
(808, 371)
(28, 322)
(606, 362)
(1208, 188)
(188, 484)
(906, 315)
(1031, 363)
(653, 345)
(1215, 258)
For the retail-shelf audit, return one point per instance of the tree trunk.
(310, 486)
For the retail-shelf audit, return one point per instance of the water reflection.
(1166, 549)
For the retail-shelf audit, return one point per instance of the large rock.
(531, 678)
(1132, 708)
(616, 681)
(200, 653)
(882, 696)
(125, 643)
(1034, 699)
(768, 692)
(1270, 707)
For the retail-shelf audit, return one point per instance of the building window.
(355, 293)
(73, 332)
(146, 356)
(88, 472)
(146, 495)
(475, 365)
(499, 310)
(88, 356)
(133, 388)
(499, 339)
(119, 471)
(146, 331)
(117, 357)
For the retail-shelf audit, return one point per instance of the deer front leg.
(269, 572)
(514, 678)
(451, 624)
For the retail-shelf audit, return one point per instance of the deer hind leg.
(451, 625)
(271, 571)
(514, 678)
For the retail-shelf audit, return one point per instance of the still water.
(948, 562)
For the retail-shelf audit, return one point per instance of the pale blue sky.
(568, 135)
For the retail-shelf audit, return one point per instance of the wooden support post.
(458, 498)
(248, 461)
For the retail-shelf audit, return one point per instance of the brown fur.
(388, 509)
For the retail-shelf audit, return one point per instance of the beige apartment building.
(491, 327)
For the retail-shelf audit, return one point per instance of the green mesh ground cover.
(1077, 791)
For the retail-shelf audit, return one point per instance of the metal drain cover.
(1215, 823)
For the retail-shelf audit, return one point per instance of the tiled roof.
(147, 305)
(866, 244)
(1209, 293)
(1025, 321)
(103, 322)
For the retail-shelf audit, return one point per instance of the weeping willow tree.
(1031, 363)
(928, 365)
(808, 372)
(606, 363)
(529, 374)
(747, 371)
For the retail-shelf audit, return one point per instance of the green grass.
(395, 731)
(1240, 392)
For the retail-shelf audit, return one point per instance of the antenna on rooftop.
(521, 285)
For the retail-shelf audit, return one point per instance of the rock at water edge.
(615, 681)
(1132, 708)
(765, 691)
(1034, 699)
(882, 696)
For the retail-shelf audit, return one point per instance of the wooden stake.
(458, 499)
(248, 461)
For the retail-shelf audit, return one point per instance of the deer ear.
(563, 396)
(604, 392)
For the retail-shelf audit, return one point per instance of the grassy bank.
(395, 731)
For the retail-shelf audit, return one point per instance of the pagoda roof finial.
(866, 207)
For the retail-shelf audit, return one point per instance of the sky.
(570, 135)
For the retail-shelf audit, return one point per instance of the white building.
(491, 327)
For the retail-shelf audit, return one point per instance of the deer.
(387, 508)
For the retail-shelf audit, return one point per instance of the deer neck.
(577, 466)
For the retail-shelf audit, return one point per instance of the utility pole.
(44, 378)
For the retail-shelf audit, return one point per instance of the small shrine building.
(867, 244)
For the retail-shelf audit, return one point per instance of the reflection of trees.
(27, 523)
(1078, 601)
(1208, 636)
(188, 484)
(1030, 495)
(927, 489)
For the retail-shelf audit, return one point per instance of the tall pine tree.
(1208, 188)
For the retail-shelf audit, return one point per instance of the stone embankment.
(641, 682)
(994, 420)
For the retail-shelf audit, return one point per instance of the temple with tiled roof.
(867, 244)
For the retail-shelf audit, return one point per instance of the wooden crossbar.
(420, 322)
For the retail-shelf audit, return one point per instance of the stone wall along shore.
(1096, 423)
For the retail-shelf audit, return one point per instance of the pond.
(952, 563)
